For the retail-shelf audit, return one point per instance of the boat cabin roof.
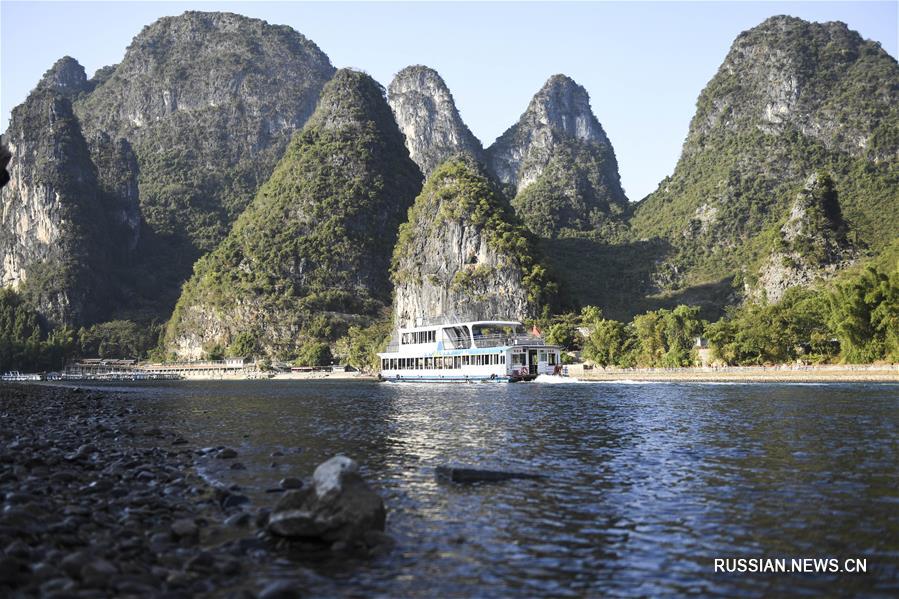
(469, 323)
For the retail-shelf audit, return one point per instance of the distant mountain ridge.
(213, 136)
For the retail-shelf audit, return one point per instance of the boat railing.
(500, 339)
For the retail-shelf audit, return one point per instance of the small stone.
(19, 549)
(226, 454)
(180, 441)
(276, 454)
(179, 579)
(280, 589)
(82, 452)
(262, 517)
(63, 477)
(238, 466)
(184, 528)
(202, 562)
(74, 562)
(10, 570)
(239, 519)
(234, 500)
(291, 483)
(98, 572)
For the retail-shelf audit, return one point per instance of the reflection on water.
(647, 483)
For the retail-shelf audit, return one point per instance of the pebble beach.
(98, 501)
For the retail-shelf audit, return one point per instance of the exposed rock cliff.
(180, 135)
(427, 116)
(66, 77)
(812, 244)
(559, 163)
(52, 213)
(790, 98)
(461, 254)
(207, 102)
(311, 254)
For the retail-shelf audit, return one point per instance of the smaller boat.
(16, 376)
(489, 351)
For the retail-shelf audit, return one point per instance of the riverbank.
(745, 374)
(281, 376)
(99, 500)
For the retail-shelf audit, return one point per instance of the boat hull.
(457, 379)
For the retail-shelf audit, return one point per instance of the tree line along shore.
(853, 321)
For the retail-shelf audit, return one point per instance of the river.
(647, 483)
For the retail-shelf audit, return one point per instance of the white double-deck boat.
(500, 351)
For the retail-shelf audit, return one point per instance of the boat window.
(457, 337)
(383, 363)
(502, 359)
(457, 362)
(429, 363)
(464, 360)
(552, 358)
(518, 359)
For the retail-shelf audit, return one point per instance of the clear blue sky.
(643, 63)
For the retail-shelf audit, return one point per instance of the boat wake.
(552, 379)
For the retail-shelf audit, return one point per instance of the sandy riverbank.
(748, 374)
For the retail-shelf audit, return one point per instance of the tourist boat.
(500, 351)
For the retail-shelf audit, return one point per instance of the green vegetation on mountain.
(574, 195)
(792, 98)
(463, 254)
(310, 256)
(559, 167)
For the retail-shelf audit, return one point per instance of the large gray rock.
(338, 506)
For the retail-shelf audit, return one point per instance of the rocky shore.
(98, 501)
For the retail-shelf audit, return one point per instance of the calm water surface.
(648, 483)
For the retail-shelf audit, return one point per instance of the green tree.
(609, 343)
(865, 316)
(314, 353)
(360, 346)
